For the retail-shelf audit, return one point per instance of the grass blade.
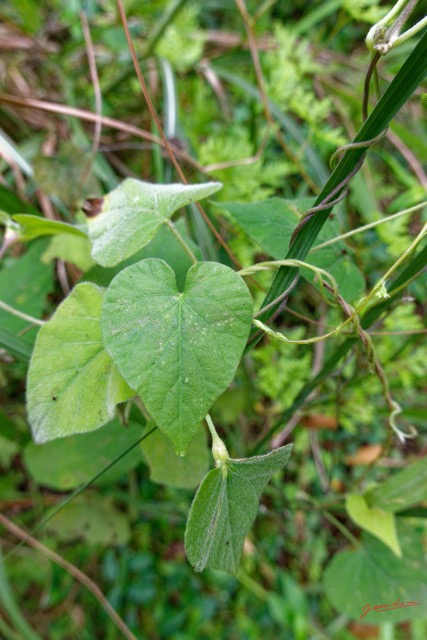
(397, 93)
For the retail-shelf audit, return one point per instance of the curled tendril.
(336, 156)
(340, 191)
(396, 411)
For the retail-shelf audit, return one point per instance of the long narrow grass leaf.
(411, 74)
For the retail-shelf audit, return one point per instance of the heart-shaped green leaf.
(372, 575)
(225, 507)
(131, 215)
(179, 351)
(73, 386)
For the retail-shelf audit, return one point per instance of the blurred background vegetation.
(264, 132)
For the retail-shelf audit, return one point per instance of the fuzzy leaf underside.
(224, 509)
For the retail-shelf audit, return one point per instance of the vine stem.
(73, 571)
(332, 519)
(20, 314)
(98, 98)
(275, 264)
(379, 288)
(371, 225)
(181, 241)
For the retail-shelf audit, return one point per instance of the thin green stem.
(20, 314)
(401, 259)
(333, 520)
(371, 225)
(382, 38)
(342, 528)
(252, 586)
(181, 241)
(410, 32)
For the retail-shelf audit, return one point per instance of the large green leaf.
(176, 471)
(69, 462)
(372, 574)
(178, 350)
(224, 509)
(270, 223)
(73, 385)
(403, 489)
(131, 215)
(24, 284)
(379, 523)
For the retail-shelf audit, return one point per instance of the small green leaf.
(71, 248)
(372, 574)
(92, 518)
(67, 174)
(180, 351)
(35, 226)
(224, 509)
(132, 214)
(67, 463)
(403, 489)
(379, 523)
(73, 385)
(176, 471)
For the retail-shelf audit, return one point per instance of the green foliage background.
(126, 530)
